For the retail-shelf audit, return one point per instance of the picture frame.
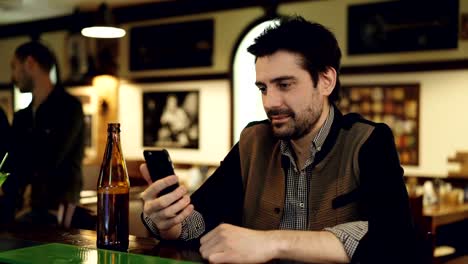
(464, 26)
(397, 105)
(89, 100)
(214, 126)
(170, 119)
(396, 26)
(178, 45)
(6, 103)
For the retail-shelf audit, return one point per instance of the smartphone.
(159, 166)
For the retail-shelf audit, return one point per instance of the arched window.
(247, 99)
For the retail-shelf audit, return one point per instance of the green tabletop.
(61, 253)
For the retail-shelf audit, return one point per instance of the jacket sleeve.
(220, 198)
(391, 236)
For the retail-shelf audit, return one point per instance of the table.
(24, 236)
(439, 215)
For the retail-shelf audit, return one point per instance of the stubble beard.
(299, 124)
(26, 86)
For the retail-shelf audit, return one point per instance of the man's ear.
(327, 81)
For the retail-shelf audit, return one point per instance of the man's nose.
(272, 99)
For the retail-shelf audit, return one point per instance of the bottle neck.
(113, 169)
(113, 133)
(113, 137)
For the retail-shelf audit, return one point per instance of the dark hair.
(313, 42)
(40, 52)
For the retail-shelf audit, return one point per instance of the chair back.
(424, 234)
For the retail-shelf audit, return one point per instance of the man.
(308, 184)
(48, 139)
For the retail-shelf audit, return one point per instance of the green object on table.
(62, 253)
(3, 175)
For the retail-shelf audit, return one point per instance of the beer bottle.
(113, 195)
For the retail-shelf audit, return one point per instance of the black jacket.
(47, 152)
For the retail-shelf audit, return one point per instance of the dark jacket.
(47, 152)
(381, 194)
(4, 133)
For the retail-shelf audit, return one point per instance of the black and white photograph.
(171, 119)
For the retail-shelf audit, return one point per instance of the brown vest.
(264, 179)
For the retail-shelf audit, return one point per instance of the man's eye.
(262, 89)
(284, 85)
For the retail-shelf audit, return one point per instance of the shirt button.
(301, 205)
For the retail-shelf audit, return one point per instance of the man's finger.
(208, 245)
(213, 233)
(178, 206)
(221, 257)
(169, 223)
(163, 202)
(212, 247)
(155, 188)
(145, 173)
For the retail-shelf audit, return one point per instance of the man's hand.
(232, 244)
(168, 211)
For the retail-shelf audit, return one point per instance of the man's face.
(20, 77)
(290, 100)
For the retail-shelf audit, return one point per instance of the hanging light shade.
(104, 26)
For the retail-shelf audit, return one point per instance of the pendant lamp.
(104, 25)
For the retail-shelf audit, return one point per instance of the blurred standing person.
(48, 139)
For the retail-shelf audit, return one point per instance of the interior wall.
(7, 49)
(228, 26)
(333, 14)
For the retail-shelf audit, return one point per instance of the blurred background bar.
(404, 63)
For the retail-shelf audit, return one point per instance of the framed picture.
(170, 119)
(214, 119)
(397, 105)
(6, 103)
(464, 26)
(171, 46)
(395, 26)
(88, 98)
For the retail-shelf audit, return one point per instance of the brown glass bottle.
(113, 195)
